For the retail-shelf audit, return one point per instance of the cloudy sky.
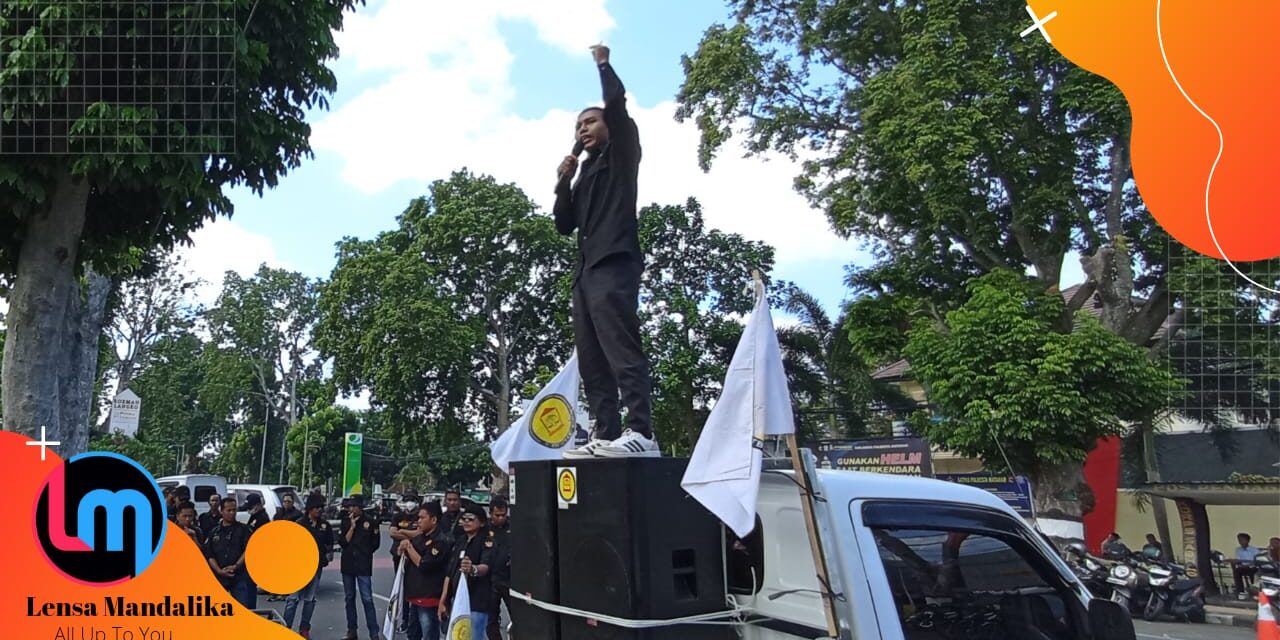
(425, 88)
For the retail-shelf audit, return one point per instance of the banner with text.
(896, 456)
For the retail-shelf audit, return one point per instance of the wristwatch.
(475, 571)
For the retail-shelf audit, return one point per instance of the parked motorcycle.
(1173, 593)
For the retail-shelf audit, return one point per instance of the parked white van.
(201, 486)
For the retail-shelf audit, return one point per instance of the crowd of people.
(441, 544)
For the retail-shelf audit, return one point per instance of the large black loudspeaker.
(533, 549)
(636, 546)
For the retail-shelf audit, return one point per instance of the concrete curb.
(1242, 620)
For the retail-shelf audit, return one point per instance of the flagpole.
(810, 520)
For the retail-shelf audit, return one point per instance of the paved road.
(329, 620)
(1175, 631)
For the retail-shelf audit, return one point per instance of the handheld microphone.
(577, 151)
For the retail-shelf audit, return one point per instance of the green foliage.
(414, 475)
(1000, 375)
(156, 162)
(694, 281)
(180, 406)
(324, 430)
(831, 388)
(155, 457)
(238, 459)
(445, 318)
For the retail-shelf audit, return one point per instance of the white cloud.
(445, 103)
(221, 246)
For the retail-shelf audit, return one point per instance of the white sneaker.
(589, 450)
(630, 445)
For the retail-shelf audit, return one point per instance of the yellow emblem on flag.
(552, 422)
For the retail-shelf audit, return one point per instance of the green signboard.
(351, 464)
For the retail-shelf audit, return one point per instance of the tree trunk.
(1061, 498)
(1158, 507)
(34, 349)
(80, 373)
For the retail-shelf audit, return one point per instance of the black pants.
(611, 359)
(500, 595)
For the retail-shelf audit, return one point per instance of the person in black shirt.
(601, 205)
(500, 534)
(471, 559)
(359, 538)
(257, 513)
(323, 535)
(210, 518)
(225, 552)
(287, 511)
(187, 520)
(452, 509)
(428, 557)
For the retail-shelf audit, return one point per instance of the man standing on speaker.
(601, 205)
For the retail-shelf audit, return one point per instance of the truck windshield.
(979, 582)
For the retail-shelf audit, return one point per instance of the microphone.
(577, 151)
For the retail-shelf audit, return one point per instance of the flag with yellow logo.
(547, 428)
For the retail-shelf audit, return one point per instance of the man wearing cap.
(359, 538)
(470, 560)
(257, 513)
(225, 553)
(287, 511)
(323, 535)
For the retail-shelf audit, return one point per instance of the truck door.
(962, 572)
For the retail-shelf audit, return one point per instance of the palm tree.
(831, 387)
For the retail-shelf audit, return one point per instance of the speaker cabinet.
(635, 545)
(534, 552)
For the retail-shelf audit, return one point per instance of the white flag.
(460, 614)
(724, 471)
(547, 428)
(395, 601)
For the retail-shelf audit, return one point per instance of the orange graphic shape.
(178, 571)
(1224, 56)
(282, 557)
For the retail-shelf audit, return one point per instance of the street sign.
(125, 409)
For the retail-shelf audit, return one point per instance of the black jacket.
(357, 555)
(323, 535)
(226, 546)
(426, 580)
(258, 519)
(480, 549)
(291, 514)
(208, 521)
(501, 558)
(601, 205)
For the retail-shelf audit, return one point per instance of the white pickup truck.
(908, 559)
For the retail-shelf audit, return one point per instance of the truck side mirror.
(1110, 621)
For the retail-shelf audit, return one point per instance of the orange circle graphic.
(282, 557)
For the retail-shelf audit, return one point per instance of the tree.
(267, 323)
(443, 319)
(97, 165)
(695, 281)
(1011, 390)
(831, 387)
(323, 431)
(149, 305)
(953, 148)
(180, 404)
